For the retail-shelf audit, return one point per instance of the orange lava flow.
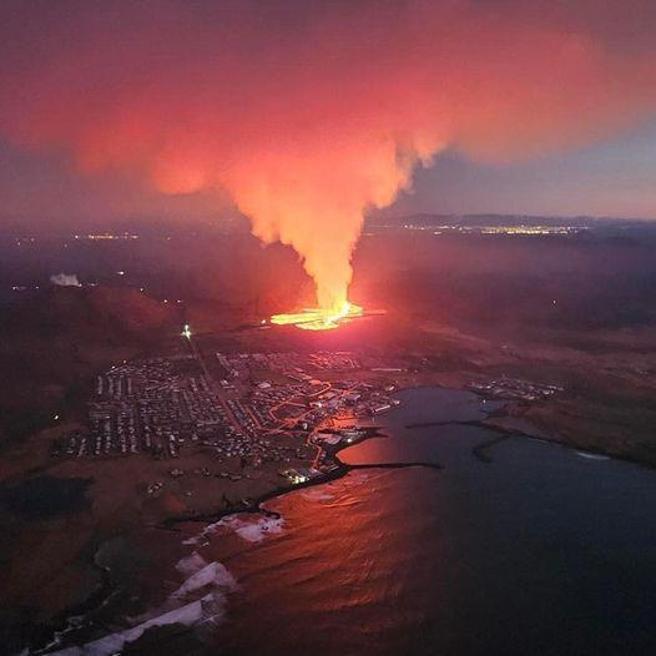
(318, 318)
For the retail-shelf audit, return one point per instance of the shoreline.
(107, 588)
(341, 469)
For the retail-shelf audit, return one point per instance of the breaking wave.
(201, 599)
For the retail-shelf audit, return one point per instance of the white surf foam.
(252, 529)
(214, 574)
(357, 477)
(317, 494)
(213, 581)
(592, 456)
(189, 615)
(190, 564)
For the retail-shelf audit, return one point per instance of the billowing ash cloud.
(308, 113)
(65, 280)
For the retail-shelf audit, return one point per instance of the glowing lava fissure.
(319, 318)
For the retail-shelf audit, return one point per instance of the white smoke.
(65, 280)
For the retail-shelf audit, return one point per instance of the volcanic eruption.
(319, 318)
(308, 114)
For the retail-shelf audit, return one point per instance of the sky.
(198, 109)
(614, 177)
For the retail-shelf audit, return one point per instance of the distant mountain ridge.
(492, 219)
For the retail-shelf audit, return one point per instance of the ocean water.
(540, 551)
(533, 550)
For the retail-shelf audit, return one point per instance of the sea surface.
(539, 551)
(523, 547)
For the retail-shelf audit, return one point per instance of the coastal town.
(193, 422)
(514, 389)
(238, 409)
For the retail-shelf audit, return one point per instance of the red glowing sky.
(339, 99)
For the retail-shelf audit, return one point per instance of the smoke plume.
(310, 113)
(65, 280)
